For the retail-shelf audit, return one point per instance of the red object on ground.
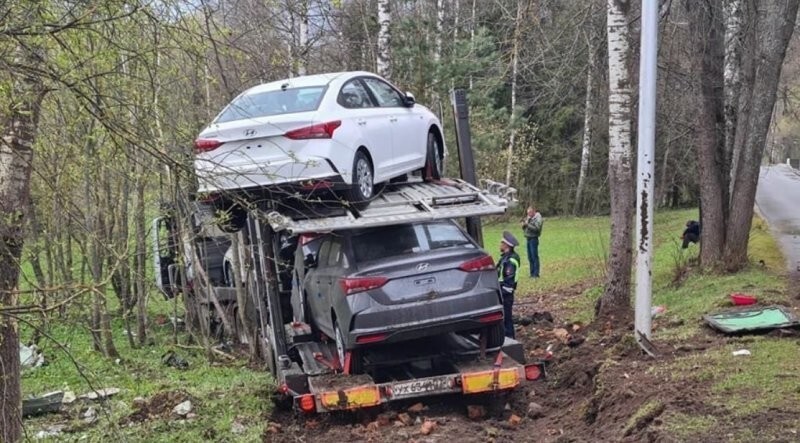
(743, 299)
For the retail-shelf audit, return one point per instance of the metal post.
(466, 162)
(645, 170)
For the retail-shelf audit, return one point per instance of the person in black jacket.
(691, 234)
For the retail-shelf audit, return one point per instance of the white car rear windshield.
(390, 241)
(264, 104)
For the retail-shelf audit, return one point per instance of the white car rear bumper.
(216, 177)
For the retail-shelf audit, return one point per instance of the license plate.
(430, 385)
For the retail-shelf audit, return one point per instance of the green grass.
(571, 250)
(221, 392)
(682, 426)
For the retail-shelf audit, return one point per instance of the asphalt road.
(778, 200)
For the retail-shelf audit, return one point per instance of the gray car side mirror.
(310, 261)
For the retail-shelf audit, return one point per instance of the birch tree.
(520, 19)
(302, 52)
(615, 302)
(384, 62)
(588, 113)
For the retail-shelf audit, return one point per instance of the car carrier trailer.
(306, 366)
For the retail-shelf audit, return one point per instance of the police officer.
(507, 268)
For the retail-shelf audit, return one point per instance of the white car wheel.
(433, 160)
(363, 186)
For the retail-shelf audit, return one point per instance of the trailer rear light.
(313, 185)
(307, 403)
(206, 145)
(483, 263)
(491, 318)
(370, 338)
(354, 285)
(319, 130)
(306, 238)
(533, 372)
(208, 198)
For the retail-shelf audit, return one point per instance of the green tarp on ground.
(752, 319)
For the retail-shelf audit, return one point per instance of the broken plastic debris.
(741, 352)
(30, 357)
(100, 394)
(657, 310)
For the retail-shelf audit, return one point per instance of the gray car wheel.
(356, 366)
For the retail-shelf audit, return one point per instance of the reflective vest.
(507, 268)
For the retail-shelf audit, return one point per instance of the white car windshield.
(264, 104)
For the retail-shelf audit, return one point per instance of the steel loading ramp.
(407, 202)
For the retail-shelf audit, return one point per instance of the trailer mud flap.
(492, 380)
(353, 398)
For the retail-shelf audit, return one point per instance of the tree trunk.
(16, 157)
(302, 47)
(241, 296)
(437, 55)
(706, 27)
(384, 53)
(456, 19)
(141, 255)
(615, 302)
(588, 115)
(770, 27)
(514, 71)
(472, 39)
(732, 16)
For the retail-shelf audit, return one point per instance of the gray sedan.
(396, 283)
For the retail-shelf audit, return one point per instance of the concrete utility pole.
(645, 170)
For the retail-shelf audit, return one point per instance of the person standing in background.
(532, 227)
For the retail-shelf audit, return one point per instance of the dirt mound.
(159, 405)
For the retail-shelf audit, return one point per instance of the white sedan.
(345, 131)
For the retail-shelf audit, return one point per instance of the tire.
(433, 169)
(233, 219)
(356, 362)
(495, 335)
(363, 187)
(230, 279)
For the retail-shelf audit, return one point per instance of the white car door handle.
(392, 119)
(361, 122)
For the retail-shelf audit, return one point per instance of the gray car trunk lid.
(420, 276)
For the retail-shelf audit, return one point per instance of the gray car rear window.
(390, 241)
(264, 104)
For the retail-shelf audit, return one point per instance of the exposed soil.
(158, 406)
